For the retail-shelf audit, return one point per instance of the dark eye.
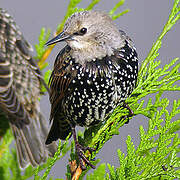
(83, 31)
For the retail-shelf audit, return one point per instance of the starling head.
(90, 34)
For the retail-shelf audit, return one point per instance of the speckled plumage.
(19, 93)
(92, 75)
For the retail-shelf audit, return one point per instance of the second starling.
(93, 74)
(20, 85)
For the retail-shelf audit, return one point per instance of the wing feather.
(60, 80)
(19, 93)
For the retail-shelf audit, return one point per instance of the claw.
(80, 152)
(86, 148)
(131, 113)
(82, 158)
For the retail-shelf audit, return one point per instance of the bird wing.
(19, 93)
(60, 79)
(19, 87)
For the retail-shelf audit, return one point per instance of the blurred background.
(143, 24)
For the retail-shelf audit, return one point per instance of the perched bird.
(93, 74)
(20, 83)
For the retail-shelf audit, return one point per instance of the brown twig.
(75, 171)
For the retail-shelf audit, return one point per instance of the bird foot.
(82, 158)
(131, 113)
(80, 150)
(86, 148)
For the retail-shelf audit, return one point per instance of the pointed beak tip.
(52, 41)
(47, 43)
(58, 38)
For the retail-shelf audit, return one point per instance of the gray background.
(143, 24)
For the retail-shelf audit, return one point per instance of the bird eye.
(83, 31)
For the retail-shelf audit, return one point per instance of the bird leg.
(131, 113)
(80, 152)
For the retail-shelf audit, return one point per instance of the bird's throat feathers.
(89, 51)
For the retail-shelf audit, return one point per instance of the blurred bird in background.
(20, 84)
(94, 73)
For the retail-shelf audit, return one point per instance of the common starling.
(93, 74)
(20, 81)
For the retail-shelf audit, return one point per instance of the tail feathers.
(51, 148)
(60, 129)
(30, 142)
(29, 146)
